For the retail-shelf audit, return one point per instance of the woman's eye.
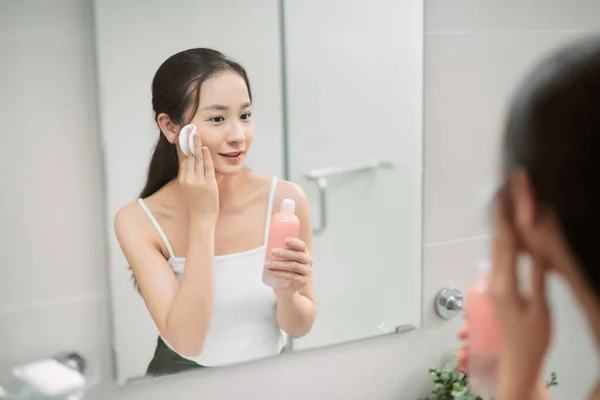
(217, 119)
(246, 116)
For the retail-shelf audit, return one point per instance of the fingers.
(503, 280)
(199, 163)
(463, 334)
(289, 276)
(538, 284)
(209, 168)
(199, 158)
(183, 168)
(295, 244)
(196, 144)
(293, 255)
(288, 267)
(190, 166)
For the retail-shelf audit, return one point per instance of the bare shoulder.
(291, 190)
(126, 215)
(284, 190)
(130, 222)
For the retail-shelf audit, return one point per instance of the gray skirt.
(168, 362)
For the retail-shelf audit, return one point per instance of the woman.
(548, 209)
(195, 240)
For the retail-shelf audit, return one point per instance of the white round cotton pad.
(186, 139)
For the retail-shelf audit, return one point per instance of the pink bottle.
(483, 336)
(285, 224)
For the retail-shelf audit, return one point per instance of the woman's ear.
(168, 127)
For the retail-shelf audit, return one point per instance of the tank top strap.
(270, 209)
(157, 227)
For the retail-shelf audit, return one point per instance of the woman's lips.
(233, 156)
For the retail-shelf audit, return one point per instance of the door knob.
(449, 302)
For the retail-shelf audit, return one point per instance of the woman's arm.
(296, 310)
(181, 311)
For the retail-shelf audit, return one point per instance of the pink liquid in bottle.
(484, 337)
(285, 224)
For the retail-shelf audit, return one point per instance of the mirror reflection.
(205, 227)
(263, 178)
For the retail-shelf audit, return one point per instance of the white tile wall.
(512, 15)
(52, 286)
(469, 78)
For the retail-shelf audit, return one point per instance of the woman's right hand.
(518, 313)
(198, 183)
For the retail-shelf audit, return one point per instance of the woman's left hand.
(524, 318)
(294, 268)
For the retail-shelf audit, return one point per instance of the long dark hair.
(553, 133)
(176, 89)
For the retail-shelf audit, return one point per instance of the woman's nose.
(236, 134)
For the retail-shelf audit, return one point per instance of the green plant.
(452, 384)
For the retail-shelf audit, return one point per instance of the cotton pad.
(186, 139)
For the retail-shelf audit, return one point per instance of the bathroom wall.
(53, 286)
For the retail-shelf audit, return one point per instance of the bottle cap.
(288, 204)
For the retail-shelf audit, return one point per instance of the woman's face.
(224, 121)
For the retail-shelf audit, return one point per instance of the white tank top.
(243, 325)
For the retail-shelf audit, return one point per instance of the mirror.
(335, 114)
